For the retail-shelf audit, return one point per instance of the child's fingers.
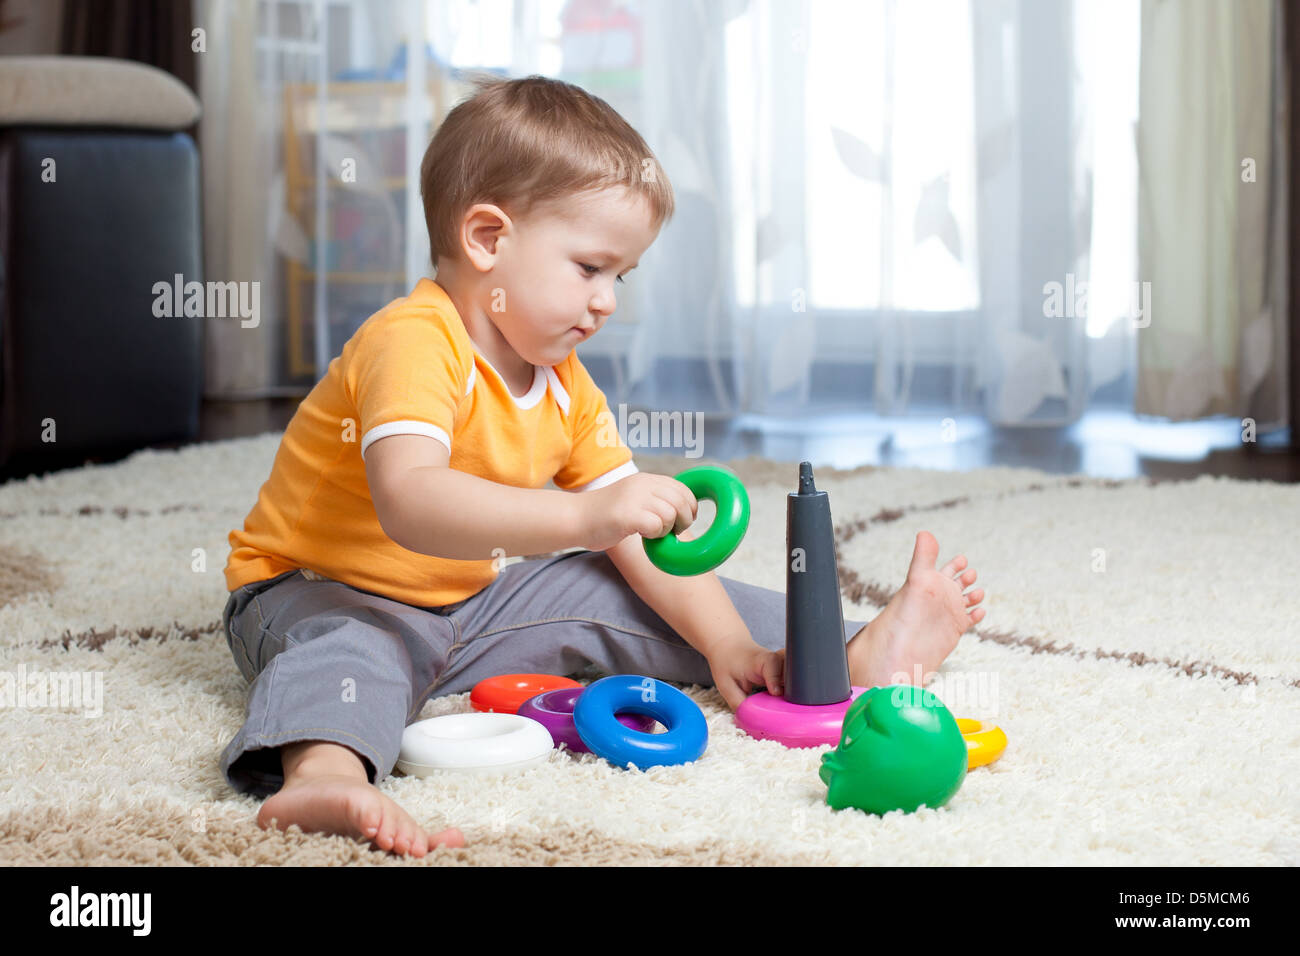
(733, 693)
(689, 503)
(683, 502)
(677, 516)
(774, 673)
(726, 686)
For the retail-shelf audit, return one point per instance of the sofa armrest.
(92, 91)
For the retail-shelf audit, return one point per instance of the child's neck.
(491, 344)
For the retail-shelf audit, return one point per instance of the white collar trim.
(541, 375)
(561, 396)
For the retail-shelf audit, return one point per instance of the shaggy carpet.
(1141, 650)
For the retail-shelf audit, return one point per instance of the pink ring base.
(796, 725)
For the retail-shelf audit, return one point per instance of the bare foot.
(921, 624)
(327, 790)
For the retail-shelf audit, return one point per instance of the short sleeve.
(599, 456)
(407, 377)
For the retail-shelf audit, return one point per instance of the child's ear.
(481, 230)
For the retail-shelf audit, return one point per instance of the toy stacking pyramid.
(816, 659)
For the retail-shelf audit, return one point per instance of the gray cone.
(816, 657)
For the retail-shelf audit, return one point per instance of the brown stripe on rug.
(858, 590)
(893, 514)
(94, 510)
(93, 640)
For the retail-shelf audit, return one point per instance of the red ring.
(506, 693)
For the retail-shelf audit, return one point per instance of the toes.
(405, 838)
(449, 837)
(412, 836)
(925, 554)
(387, 834)
(369, 818)
(974, 597)
(365, 812)
(955, 565)
(968, 578)
(977, 615)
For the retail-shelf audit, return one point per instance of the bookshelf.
(360, 244)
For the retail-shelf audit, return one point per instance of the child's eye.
(595, 269)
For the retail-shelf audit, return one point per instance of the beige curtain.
(237, 173)
(1209, 211)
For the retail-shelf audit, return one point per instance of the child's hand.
(743, 667)
(649, 505)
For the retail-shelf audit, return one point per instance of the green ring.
(686, 558)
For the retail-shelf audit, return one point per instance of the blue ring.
(594, 717)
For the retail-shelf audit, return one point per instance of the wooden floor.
(1109, 444)
(1104, 443)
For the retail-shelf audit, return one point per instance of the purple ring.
(554, 711)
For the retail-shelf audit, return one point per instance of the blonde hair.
(518, 143)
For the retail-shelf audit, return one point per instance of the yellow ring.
(982, 746)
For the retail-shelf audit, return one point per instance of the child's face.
(559, 269)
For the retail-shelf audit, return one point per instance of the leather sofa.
(99, 205)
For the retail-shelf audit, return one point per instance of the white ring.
(479, 742)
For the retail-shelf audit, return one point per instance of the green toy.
(706, 552)
(900, 748)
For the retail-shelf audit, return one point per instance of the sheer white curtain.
(875, 198)
(891, 206)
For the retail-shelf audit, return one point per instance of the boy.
(365, 579)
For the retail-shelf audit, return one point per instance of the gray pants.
(330, 662)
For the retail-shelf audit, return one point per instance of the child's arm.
(698, 608)
(614, 518)
(429, 508)
(451, 514)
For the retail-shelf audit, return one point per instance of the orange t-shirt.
(411, 368)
